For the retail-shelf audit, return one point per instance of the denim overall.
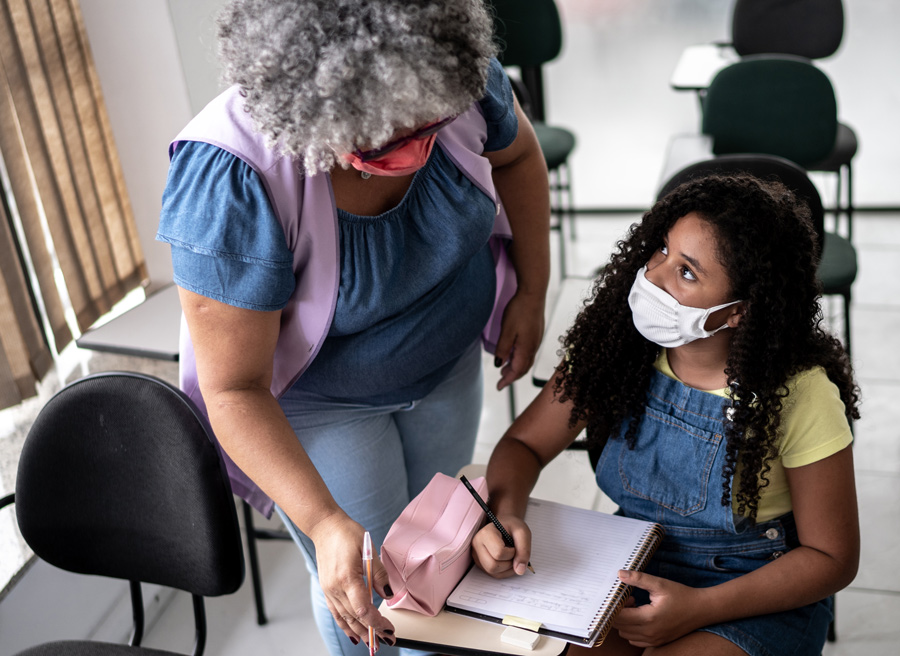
(673, 476)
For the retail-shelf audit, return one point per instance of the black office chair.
(838, 264)
(808, 28)
(782, 105)
(529, 33)
(118, 477)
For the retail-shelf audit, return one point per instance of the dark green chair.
(529, 34)
(782, 105)
(837, 265)
(807, 28)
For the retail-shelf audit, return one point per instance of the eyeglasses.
(427, 131)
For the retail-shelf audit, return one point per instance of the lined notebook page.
(576, 555)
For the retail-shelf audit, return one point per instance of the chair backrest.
(118, 477)
(765, 167)
(778, 105)
(808, 28)
(529, 33)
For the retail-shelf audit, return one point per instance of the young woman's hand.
(670, 614)
(494, 557)
(339, 543)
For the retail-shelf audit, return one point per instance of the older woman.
(348, 221)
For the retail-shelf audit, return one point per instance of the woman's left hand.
(520, 336)
(671, 613)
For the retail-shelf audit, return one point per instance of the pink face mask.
(404, 160)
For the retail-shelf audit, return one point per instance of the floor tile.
(877, 434)
(879, 229)
(878, 281)
(876, 355)
(866, 623)
(879, 516)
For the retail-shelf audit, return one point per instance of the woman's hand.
(339, 541)
(671, 613)
(520, 336)
(520, 177)
(494, 557)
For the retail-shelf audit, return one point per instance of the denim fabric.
(417, 287)
(498, 109)
(375, 459)
(226, 242)
(674, 476)
(417, 282)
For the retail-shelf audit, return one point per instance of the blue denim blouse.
(417, 282)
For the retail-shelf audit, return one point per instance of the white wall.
(156, 68)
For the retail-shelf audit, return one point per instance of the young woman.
(722, 409)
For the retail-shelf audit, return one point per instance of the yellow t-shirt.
(813, 427)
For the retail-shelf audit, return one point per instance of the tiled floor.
(610, 86)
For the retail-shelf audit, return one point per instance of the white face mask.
(665, 321)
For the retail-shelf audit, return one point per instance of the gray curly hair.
(322, 77)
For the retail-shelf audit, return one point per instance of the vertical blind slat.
(16, 160)
(67, 189)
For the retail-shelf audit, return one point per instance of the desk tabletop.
(148, 330)
(451, 633)
(699, 64)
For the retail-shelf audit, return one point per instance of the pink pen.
(367, 563)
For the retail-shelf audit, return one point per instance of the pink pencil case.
(427, 551)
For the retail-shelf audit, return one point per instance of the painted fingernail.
(388, 632)
(388, 592)
(497, 362)
(353, 640)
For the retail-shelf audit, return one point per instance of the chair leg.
(557, 212)
(832, 632)
(849, 202)
(570, 201)
(847, 340)
(840, 208)
(838, 201)
(261, 618)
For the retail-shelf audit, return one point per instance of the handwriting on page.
(576, 564)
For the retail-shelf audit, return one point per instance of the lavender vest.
(306, 209)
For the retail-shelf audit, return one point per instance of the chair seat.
(845, 147)
(556, 144)
(85, 648)
(838, 267)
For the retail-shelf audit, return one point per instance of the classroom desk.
(699, 64)
(148, 330)
(572, 292)
(450, 633)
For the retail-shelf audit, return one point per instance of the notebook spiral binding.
(619, 594)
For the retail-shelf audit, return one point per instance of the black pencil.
(507, 538)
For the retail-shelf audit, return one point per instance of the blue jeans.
(375, 459)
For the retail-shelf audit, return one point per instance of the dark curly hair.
(767, 245)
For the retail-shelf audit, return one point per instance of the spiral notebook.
(575, 592)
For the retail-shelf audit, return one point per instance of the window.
(68, 245)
